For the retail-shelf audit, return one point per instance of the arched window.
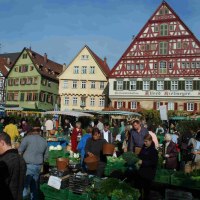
(163, 29)
(163, 67)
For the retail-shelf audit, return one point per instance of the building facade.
(84, 83)
(32, 82)
(160, 67)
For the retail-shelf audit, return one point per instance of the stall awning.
(69, 113)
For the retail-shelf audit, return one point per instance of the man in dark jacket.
(12, 170)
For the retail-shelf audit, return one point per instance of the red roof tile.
(3, 65)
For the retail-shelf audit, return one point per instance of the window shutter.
(155, 85)
(161, 103)
(151, 85)
(139, 85)
(128, 85)
(168, 85)
(175, 106)
(198, 85)
(115, 85)
(124, 104)
(166, 103)
(154, 105)
(165, 85)
(181, 85)
(185, 106)
(195, 106)
(138, 105)
(124, 85)
(129, 105)
(115, 104)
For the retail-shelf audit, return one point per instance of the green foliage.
(187, 126)
(130, 158)
(152, 117)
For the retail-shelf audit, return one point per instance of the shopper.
(35, 151)
(137, 133)
(170, 153)
(148, 164)
(94, 147)
(106, 133)
(12, 170)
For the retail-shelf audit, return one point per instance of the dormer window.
(24, 56)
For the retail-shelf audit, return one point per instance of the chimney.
(64, 66)
(45, 58)
(8, 61)
(105, 60)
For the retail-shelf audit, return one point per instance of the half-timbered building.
(161, 66)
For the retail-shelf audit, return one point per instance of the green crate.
(52, 193)
(74, 196)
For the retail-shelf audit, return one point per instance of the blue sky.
(62, 27)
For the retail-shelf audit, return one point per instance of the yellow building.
(84, 82)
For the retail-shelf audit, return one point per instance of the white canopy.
(68, 112)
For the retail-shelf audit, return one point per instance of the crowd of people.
(20, 168)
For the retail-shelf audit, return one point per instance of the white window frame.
(190, 106)
(164, 30)
(146, 85)
(92, 69)
(160, 85)
(188, 85)
(65, 84)
(119, 85)
(74, 84)
(102, 102)
(133, 85)
(92, 86)
(174, 85)
(171, 106)
(133, 105)
(163, 67)
(76, 69)
(83, 84)
(163, 48)
(66, 100)
(75, 101)
(101, 85)
(84, 70)
(92, 101)
(119, 104)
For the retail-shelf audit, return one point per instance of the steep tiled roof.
(104, 66)
(12, 56)
(49, 68)
(4, 67)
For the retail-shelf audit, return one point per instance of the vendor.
(76, 136)
(94, 147)
(148, 164)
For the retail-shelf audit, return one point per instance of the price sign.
(54, 182)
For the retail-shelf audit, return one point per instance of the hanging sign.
(163, 112)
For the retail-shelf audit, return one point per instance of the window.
(170, 65)
(161, 12)
(49, 84)
(29, 81)
(23, 68)
(35, 97)
(92, 84)
(146, 85)
(76, 69)
(119, 104)
(10, 96)
(142, 47)
(141, 66)
(84, 70)
(42, 96)
(130, 66)
(101, 85)
(160, 85)
(65, 84)
(198, 65)
(16, 81)
(187, 65)
(188, 85)
(190, 106)
(133, 105)
(170, 105)
(119, 85)
(163, 48)
(74, 84)
(185, 45)
(24, 55)
(15, 96)
(92, 69)
(171, 27)
(157, 105)
(44, 81)
(66, 101)
(163, 67)
(84, 57)
(163, 29)
(156, 28)
(1, 83)
(83, 84)
(153, 47)
(92, 101)
(16, 69)
(178, 45)
(74, 101)
(166, 11)
(49, 98)
(183, 65)
(174, 85)
(23, 81)
(137, 66)
(35, 80)
(193, 65)
(31, 68)
(155, 65)
(22, 97)
(101, 102)
(132, 85)
(147, 47)
(29, 96)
